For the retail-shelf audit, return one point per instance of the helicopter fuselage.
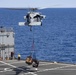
(32, 19)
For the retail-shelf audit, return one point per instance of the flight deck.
(15, 67)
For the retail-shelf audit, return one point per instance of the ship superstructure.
(6, 43)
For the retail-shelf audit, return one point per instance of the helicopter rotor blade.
(24, 8)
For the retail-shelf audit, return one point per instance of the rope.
(32, 52)
(32, 47)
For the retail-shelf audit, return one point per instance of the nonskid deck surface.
(14, 67)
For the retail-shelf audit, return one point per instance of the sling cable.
(32, 60)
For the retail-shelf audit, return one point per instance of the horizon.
(38, 4)
(20, 8)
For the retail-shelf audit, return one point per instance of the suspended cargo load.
(29, 60)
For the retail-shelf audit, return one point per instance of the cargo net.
(30, 61)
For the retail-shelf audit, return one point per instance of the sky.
(38, 3)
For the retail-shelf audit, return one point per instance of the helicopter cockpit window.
(37, 18)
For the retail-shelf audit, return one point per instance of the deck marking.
(30, 73)
(12, 65)
(46, 64)
(55, 68)
(40, 64)
(54, 64)
(67, 69)
(7, 69)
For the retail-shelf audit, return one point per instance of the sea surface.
(55, 40)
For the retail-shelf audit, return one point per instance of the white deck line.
(12, 62)
(7, 70)
(11, 65)
(30, 73)
(46, 63)
(68, 69)
(56, 68)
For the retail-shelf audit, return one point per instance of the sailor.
(19, 56)
(12, 55)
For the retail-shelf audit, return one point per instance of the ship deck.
(14, 67)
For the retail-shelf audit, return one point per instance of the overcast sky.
(39, 3)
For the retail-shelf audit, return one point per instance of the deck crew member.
(19, 56)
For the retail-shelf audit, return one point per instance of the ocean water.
(55, 40)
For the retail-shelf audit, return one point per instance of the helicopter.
(33, 18)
